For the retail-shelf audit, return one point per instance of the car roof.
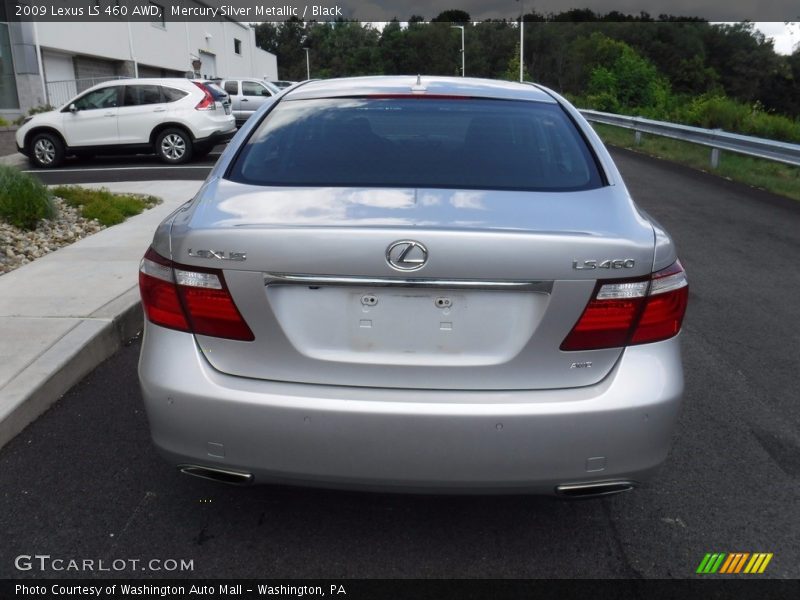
(145, 81)
(418, 84)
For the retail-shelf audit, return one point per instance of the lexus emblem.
(406, 255)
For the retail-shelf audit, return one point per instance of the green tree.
(512, 71)
(343, 48)
(286, 41)
(488, 46)
(650, 64)
(452, 16)
(742, 57)
(781, 91)
(391, 50)
(623, 77)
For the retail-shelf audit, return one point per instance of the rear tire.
(47, 150)
(174, 146)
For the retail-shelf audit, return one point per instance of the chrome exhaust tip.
(218, 475)
(593, 490)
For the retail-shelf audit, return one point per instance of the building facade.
(49, 62)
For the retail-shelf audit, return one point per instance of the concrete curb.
(14, 160)
(8, 143)
(67, 312)
(64, 364)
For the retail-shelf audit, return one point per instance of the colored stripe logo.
(734, 563)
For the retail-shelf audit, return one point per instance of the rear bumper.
(217, 137)
(412, 440)
(242, 115)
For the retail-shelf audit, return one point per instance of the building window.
(237, 46)
(160, 18)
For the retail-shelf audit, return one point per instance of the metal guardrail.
(716, 139)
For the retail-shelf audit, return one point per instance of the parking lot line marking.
(117, 169)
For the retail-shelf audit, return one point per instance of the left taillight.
(189, 299)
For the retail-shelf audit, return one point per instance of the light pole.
(308, 64)
(521, 47)
(521, 38)
(461, 27)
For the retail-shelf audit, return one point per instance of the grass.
(108, 208)
(768, 175)
(24, 200)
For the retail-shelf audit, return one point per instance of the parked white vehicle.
(174, 118)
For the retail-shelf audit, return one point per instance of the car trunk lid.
(505, 278)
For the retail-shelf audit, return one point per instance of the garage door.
(59, 73)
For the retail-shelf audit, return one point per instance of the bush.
(3, 122)
(34, 111)
(773, 127)
(109, 209)
(623, 81)
(604, 102)
(40, 109)
(24, 200)
(720, 112)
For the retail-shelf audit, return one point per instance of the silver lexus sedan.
(416, 284)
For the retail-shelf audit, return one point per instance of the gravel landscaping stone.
(19, 246)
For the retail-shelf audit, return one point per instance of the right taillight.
(636, 311)
(189, 299)
(207, 103)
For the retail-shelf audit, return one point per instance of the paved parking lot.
(85, 482)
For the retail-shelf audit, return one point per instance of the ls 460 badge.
(218, 254)
(618, 263)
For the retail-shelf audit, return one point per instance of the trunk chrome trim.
(544, 287)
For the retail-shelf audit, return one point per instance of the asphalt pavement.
(84, 481)
(104, 169)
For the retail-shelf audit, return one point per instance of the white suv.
(174, 118)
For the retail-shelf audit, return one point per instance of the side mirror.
(73, 108)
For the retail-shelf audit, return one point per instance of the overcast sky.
(712, 10)
(785, 37)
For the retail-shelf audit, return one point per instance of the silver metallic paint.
(465, 436)
(413, 439)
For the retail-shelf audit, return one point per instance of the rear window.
(216, 91)
(415, 142)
